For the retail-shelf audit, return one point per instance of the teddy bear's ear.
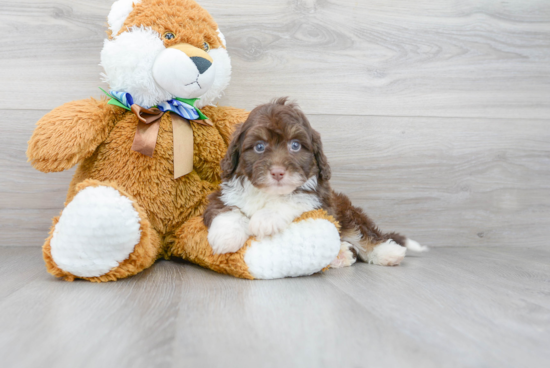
(222, 37)
(120, 10)
(230, 162)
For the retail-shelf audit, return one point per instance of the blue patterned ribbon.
(183, 107)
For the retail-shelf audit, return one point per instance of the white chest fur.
(239, 192)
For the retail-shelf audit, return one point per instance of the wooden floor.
(450, 307)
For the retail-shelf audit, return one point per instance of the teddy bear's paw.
(228, 232)
(346, 257)
(267, 222)
(97, 230)
(388, 253)
(303, 248)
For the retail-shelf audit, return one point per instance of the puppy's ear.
(231, 160)
(322, 161)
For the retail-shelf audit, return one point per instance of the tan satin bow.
(147, 129)
(147, 132)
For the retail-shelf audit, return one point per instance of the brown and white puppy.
(274, 171)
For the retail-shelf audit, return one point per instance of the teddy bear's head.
(162, 49)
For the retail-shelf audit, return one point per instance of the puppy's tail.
(407, 243)
(415, 246)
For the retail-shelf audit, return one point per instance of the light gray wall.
(435, 114)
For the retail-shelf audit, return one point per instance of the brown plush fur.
(194, 27)
(164, 204)
(71, 133)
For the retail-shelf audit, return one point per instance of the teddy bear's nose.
(201, 63)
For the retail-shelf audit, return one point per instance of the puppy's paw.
(267, 222)
(228, 232)
(388, 253)
(346, 257)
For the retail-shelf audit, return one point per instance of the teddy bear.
(148, 156)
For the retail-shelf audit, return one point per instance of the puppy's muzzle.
(277, 173)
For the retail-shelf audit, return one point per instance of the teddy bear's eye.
(169, 36)
(206, 47)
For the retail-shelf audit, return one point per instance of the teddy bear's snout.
(184, 70)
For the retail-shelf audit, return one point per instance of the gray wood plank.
(540, 254)
(451, 307)
(303, 322)
(20, 266)
(520, 273)
(398, 57)
(459, 182)
(129, 323)
(445, 181)
(452, 299)
(28, 198)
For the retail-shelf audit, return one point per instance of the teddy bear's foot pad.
(304, 248)
(97, 230)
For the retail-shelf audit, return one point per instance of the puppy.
(274, 171)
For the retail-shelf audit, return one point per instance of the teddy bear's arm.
(71, 133)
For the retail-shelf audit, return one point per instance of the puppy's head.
(277, 150)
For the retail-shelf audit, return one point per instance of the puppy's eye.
(169, 36)
(206, 47)
(259, 147)
(294, 146)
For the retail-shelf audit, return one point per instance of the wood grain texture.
(378, 57)
(458, 182)
(29, 199)
(129, 322)
(451, 307)
(443, 181)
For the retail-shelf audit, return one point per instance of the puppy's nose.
(278, 173)
(201, 63)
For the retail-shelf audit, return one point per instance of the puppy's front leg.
(272, 220)
(228, 232)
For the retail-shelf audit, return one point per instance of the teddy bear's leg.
(101, 235)
(307, 246)
(192, 244)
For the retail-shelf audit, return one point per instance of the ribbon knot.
(147, 130)
(148, 127)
